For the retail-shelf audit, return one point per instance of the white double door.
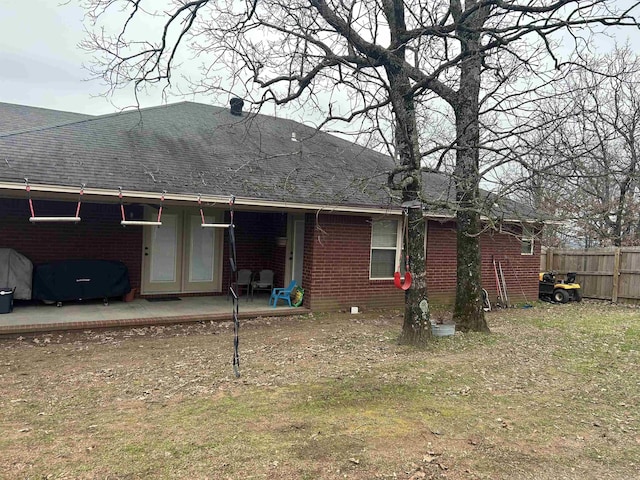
(180, 256)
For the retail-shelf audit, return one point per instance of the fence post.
(616, 275)
(549, 260)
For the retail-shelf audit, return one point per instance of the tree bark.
(416, 328)
(468, 313)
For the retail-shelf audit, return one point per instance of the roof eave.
(442, 216)
(137, 196)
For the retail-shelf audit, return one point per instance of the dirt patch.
(553, 392)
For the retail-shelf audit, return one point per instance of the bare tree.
(387, 57)
(588, 171)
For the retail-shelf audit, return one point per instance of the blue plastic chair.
(282, 293)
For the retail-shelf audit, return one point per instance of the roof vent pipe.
(236, 106)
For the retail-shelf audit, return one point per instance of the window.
(384, 249)
(527, 246)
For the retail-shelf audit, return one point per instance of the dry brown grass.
(553, 393)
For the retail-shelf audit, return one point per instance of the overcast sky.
(41, 64)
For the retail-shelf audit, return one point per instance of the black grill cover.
(80, 280)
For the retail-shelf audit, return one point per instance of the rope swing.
(397, 281)
(124, 222)
(35, 219)
(204, 224)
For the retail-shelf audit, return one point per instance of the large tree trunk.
(468, 313)
(416, 329)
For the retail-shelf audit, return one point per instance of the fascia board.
(140, 196)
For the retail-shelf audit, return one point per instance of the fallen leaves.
(498, 403)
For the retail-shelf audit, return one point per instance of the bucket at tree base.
(6, 299)
(443, 329)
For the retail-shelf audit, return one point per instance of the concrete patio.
(37, 317)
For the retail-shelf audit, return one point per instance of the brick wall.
(336, 265)
(337, 255)
(98, 235)
(441, 262)
(520, 271)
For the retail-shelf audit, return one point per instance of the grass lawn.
(552, 393)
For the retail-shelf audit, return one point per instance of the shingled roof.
(192, 148)
(14, 118)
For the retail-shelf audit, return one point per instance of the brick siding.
(336, 265)
(337, 255)
(520, 271)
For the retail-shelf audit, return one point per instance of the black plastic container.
(6, 300)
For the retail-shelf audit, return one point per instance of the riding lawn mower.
(557, 290)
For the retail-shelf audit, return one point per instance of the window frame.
(531, 240)
(397, 248)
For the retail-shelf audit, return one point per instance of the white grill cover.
(16, 270)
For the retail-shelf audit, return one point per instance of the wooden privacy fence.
(611, 273)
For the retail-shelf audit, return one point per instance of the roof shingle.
(17, 118)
